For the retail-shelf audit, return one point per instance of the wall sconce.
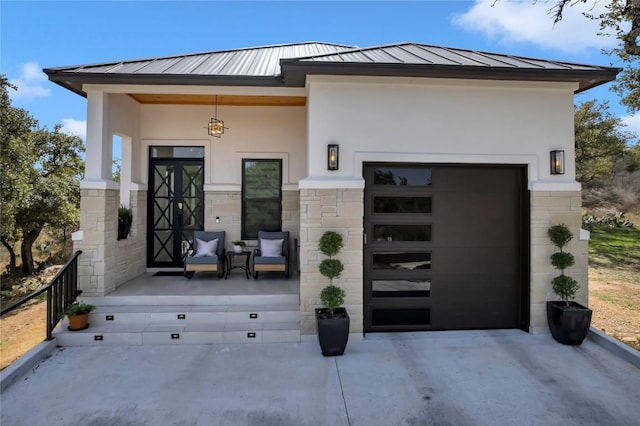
(332, 157)
(557, 162)
(216, 127)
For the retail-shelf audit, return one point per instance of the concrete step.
(166, 320)
(177, 334)
(195, 300)
(189, 314)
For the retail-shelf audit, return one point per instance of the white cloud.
(30, 83)
(74, 127)
(633, 125)
(517, 21)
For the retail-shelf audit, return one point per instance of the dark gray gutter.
(295, 72)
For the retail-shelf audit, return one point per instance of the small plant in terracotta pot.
(78, 315)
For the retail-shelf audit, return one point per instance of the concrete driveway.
(438, 378)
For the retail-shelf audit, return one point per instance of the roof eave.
(74, 81)
(295, 72)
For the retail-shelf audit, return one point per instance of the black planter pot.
(333, 331)
(124, 227)
(569, 325)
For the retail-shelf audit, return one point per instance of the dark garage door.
(445, 247)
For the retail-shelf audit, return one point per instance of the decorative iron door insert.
(176, 209)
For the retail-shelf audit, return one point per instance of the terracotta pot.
(78, 322)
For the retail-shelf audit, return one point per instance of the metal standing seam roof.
(422, 60)
(288, 65)
(237, 65)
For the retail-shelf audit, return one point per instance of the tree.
(622, 17)
(41, 172)
(618, 11)
(15, 126)
(600, 142)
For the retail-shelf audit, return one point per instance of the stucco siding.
(433, 120)
(253, 132)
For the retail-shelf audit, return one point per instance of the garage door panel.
(474, 178)
(472, 289)
(469, 302)
(474, 260)
(474, 220)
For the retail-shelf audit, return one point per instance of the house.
(434, 163)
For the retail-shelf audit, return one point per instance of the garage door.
(445, 247)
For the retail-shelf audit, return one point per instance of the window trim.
(243, 234)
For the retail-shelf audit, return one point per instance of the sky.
(47, 34)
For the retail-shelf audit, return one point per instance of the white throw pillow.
(271, 248)
(206, 248)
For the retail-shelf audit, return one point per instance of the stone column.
(99, 228)
(339, 210)
(550, 208)
(99, 201)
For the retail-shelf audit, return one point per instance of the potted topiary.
(568, 321)
(238, 246)
(332, 320)
(78, 315)
(125, 220)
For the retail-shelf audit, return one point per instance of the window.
(402, 176)
(261, 196)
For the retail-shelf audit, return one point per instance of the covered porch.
(207, 284)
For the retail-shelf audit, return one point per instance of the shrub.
(562, 285)
(124, 212)
(332, 297)
(610, 220)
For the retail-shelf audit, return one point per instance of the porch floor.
(208, 284)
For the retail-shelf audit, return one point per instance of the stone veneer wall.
(338, 210)
(98, 222)
(550, 208)
(131, 253)
(105, 262)
(227, 205)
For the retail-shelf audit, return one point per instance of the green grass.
(615, 248)
(618, 300)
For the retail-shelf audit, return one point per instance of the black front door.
(175, 207)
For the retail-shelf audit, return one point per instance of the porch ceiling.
(233, 100)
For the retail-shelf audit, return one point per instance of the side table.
(231, 256)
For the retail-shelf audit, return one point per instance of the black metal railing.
(61, 292)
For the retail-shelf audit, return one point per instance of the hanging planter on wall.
(125, 220)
